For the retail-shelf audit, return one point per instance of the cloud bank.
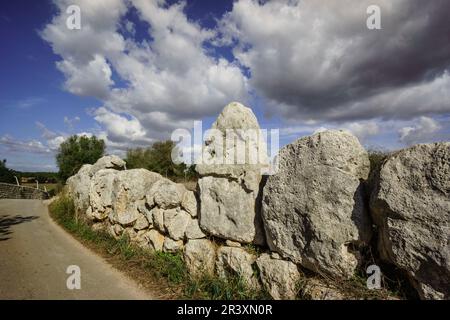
(312, 63)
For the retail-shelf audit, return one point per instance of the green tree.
(76, 151)
(6, 175)
(158, 158)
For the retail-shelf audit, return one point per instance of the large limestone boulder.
(313, 208)
(228, 211)
(233, 159)
(200, 257)
(279, 277)
(410, 203)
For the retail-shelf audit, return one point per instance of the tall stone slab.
(233, 159)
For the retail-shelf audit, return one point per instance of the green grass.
(232, 288)
(165, 272)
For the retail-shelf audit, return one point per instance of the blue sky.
(31, 87)
(137, 70)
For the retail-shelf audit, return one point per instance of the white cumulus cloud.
(166, 81)
(420, 132)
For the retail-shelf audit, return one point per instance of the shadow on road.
(7, 221)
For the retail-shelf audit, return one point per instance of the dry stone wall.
(313, 213)
(12, 191)
(151, 210)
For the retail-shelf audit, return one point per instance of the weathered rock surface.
(189, 203)
(279, 277)
(101, 194)
(200, 257)
(313, 208)
(171, 245)
(228, 211)
(167, 194)
(79, 184)
(155, 240)
(129, 187)
(141, 239)
(234, 156)
(193, 230)
(107, 162)
(410, 204)
(235, 122)
(136, 183)
(116, 230)
(236, 261)
(175, 222)
(131, 233)
(78, 187)
(157, 215)
(141, 223)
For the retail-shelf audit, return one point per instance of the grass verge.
(164, 274)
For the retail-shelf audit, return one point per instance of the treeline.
(79, 150)
(158, 158)
(8, 175)
(41, 177)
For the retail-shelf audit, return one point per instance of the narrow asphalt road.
(35, 254)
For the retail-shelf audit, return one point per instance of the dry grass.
(190, 185)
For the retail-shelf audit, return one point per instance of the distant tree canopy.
(6, 175)
(76, 151)
(41, 177)
(158, 158)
